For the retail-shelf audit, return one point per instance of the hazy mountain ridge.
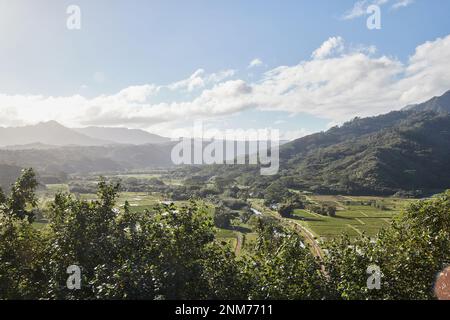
(123, 135)
(50, 134)
(401, 150)
(47, 133)
(437, 104)
(78, 159)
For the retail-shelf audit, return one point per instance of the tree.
(286, 209)
(410, 254)
(21, 248)
(282, 267)
(2, 198)
(331, 210)
(275, 193)
(172, 253)
(22, 200)
(223, 217)
(223, 182)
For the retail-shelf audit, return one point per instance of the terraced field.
(355, 215)
(352, 218)
(238, 239)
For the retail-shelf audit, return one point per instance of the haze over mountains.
(402, 150)
(122, 135)
(48, 134)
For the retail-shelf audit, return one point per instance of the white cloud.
(402, 4)
(255, 63)
(329, 47)
(138, 93)
(360, 7)
(199, 79)
(220, 76)
(195, 81)
(351, 82)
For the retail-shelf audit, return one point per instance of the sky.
(298, 66)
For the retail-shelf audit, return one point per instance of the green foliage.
(286, 209)
(2, 197)
(22, 200)
(172, 253)
(223, 217)
(283, 268)
(410, 254)
(290, 204)
(322, 209)
(275, 193)
(21, 259)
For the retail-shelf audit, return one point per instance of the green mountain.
(84, 159)
(406, 150)
(402, 150)
(437, 104)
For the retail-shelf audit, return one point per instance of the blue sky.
(147, 44)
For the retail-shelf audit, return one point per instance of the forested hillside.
(79, 159)
(413, 154)
(405, 151)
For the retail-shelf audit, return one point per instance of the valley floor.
(355, 215)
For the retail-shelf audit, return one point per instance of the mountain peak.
(51, 123)
(439, 104)
(50, 133)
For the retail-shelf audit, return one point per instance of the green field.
(352, 217)
(355, 215)
(140, 201)
(148, 176)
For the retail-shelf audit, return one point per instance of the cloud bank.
(338, 83)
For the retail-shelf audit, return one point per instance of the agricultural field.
(355, 215)
(239, 237)
(163, 175)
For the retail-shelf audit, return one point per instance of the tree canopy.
(172, 253)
